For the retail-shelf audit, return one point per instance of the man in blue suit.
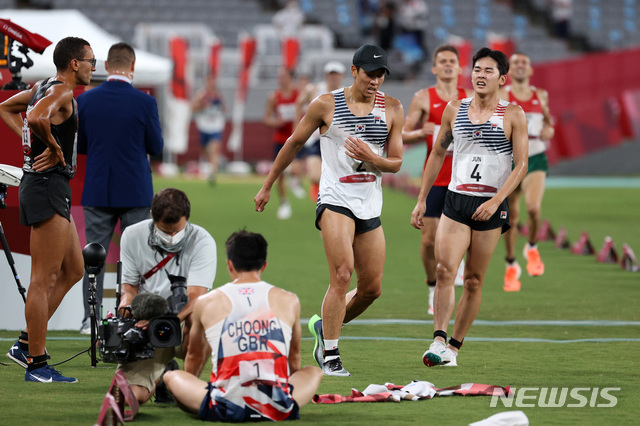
(119, 127)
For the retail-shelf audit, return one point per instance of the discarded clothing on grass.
(414, 391)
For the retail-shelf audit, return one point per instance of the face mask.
(171, 240)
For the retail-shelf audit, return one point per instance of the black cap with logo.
(370, 58)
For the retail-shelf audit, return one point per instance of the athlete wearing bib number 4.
(535, 103)
(253, 329)
(358, 124)
(487, 135)
(423, 121)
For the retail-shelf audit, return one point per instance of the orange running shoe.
(314, 189)
(535, 267)
(511, 281)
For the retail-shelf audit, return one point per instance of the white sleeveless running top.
(482, 155)
(249, 353)
(346, 182)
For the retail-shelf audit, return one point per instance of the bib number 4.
(475, 174)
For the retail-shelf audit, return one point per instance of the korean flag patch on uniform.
(360, 127)
(477, 134)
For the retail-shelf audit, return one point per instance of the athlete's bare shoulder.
(215, 295)
(285, 294)
(454, 105)
(212, 307)
(543, 95)
(422, 95)
(392, 104)
(514, 113)
(323, 103)
(284, 304)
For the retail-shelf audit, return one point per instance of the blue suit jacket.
(118, 127)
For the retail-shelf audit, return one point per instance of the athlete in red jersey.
(426, 111)
(535, 103)
(280, 114)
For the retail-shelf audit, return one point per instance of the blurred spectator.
(561, 12)
(289, 19)
(385, 25)
(367, 10)
(412, 17)
(209, 112)
(280, 114)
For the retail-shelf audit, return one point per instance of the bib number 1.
(258, 371)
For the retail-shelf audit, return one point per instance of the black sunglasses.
(92, 61)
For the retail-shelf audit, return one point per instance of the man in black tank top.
(48, 134)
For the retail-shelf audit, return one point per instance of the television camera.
(122, 341)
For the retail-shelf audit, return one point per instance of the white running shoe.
(297, 189)
(334, 368)
(284, 211)
(432, 292)
(86, 326)
(439, 354)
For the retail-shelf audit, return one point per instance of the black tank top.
(65, 134)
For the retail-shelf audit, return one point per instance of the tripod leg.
(94, 328)
(12, 264)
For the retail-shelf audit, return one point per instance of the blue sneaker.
(47, 374)
(17, 355)
(315, 327)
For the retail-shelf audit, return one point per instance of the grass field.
(510, 345)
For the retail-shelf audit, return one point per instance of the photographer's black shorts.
(42, 196)
(461, 207)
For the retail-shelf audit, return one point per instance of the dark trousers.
(99, 224)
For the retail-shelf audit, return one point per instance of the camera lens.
(163, 332)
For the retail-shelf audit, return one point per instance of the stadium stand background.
(334, 30)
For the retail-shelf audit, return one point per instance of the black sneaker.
(162, 395)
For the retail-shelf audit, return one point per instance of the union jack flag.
(245, 291)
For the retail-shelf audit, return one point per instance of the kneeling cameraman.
(152, 250)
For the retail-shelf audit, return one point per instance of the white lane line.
(490, 323)
(492, 339)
